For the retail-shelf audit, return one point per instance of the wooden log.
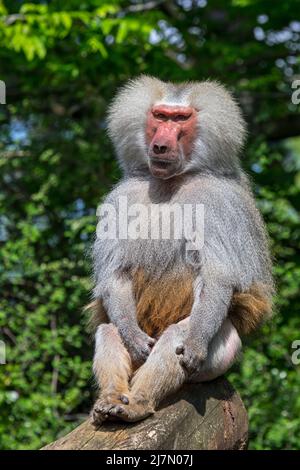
(200, 416)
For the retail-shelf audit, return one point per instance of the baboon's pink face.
(170, 134)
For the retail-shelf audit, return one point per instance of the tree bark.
(200, 416)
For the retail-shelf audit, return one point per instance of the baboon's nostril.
(159, 148)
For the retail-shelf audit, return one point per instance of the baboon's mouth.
(161, 164)
(163, 168)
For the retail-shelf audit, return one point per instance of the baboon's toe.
(118, 411)
(100, 412)
(102, 407)
(124, 399)
(131, 412)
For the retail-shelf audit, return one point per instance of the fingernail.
(124, 399)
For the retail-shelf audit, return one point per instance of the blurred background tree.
(62, 62)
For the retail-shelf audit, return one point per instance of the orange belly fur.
(162, 302)
(169, 299)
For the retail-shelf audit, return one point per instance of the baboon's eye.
(161, 116)
(181, 117)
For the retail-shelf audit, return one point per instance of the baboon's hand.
(191, 355)
(139, 345)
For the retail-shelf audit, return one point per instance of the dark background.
(62, 62)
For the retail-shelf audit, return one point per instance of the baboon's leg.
(112, 369)
(162, 374)
(159, 376)
(223, 352)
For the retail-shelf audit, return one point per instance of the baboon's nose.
(159, 149)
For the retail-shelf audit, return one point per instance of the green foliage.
(62, 62)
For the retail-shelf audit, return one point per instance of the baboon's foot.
(135, 410)
(101, 409)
